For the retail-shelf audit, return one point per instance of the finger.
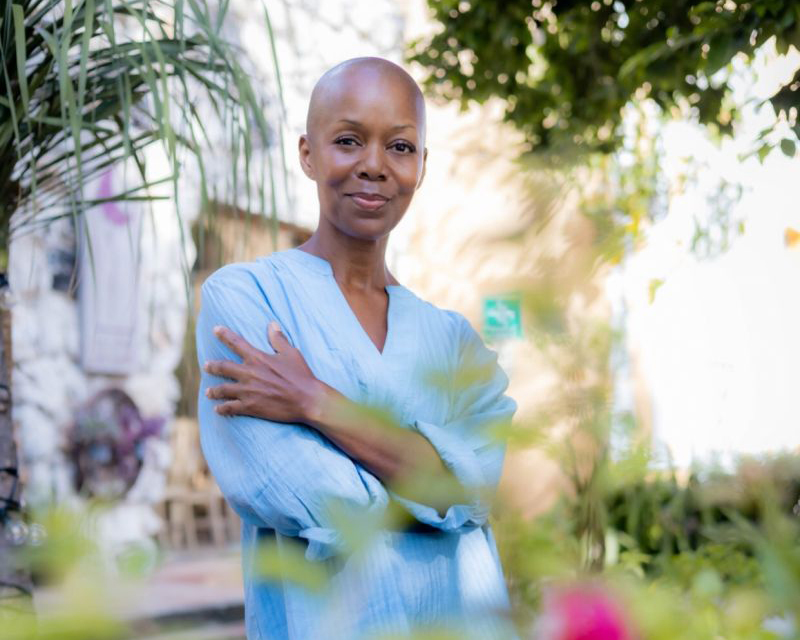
(229, 391)
(277, 338)
(235, 342)
(230, 408)
(226, 369)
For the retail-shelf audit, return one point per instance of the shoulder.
(451, 325)
(460, 324)
(229, 274)
(237, 288)
(273, 286)
(259, 277)
(228, 291)
(445, 319)
(237, 273)
(240, 296)
(464, 338)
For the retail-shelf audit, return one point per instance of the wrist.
(317, 404)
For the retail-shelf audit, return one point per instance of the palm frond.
(87, 84)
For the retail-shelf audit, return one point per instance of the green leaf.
(287, 563)
(641, 59)
(19, 40)
(78, 96)
(788, 147)
(721, 49)
(652, 289)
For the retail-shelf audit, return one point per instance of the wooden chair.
(194, 511)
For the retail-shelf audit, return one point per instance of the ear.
(424, 165)
(304, 148)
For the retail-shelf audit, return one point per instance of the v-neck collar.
(394, 292)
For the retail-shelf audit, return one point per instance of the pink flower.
(581, 612)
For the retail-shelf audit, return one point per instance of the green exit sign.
(502, 318)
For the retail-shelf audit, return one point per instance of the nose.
(371, 166)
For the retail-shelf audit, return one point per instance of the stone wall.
(49, 383)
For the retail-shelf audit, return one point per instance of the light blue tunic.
(282, 479)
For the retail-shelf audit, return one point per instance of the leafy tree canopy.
(565, 68)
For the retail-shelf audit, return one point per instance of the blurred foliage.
(713, 556)
(590, 85)
(565, 70)
(712, 553)
(662, 517)
(702, 554)
(628, 190)
(68, 561)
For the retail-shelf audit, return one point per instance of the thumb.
(276, 338)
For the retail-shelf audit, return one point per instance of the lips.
(368, 201)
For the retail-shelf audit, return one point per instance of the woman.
(297, 344)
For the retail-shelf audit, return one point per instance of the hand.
(278, 387)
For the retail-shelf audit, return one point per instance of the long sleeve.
(275, 475)
(289, 478)
(465, 443)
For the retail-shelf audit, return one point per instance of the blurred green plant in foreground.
(629, 551)
(711, 554)
(634, 549)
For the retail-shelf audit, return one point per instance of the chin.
(367, 227)
(362, 225)
(374, 231)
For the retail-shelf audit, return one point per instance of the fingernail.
(208, 393)
(217, 330)
(274, 326)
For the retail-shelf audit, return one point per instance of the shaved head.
(355, 75)
(364, 147)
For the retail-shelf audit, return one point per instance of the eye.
(403, 147)
(346, 141)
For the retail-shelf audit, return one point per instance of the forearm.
(401, 458)
(282, 388)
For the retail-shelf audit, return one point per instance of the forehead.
(370, 94)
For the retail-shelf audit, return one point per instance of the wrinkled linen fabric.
(287, 481)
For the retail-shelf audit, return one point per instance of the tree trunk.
(16, 586)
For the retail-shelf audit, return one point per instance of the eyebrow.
(396, 127)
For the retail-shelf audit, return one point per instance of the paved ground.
(189, 582)
(189, 596)
(203, 631)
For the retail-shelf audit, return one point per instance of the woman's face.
(365, 150)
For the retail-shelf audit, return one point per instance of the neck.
(356, 263)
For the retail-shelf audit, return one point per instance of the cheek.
(408, 174)
(338, 167)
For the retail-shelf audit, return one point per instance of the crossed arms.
(275, 437)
